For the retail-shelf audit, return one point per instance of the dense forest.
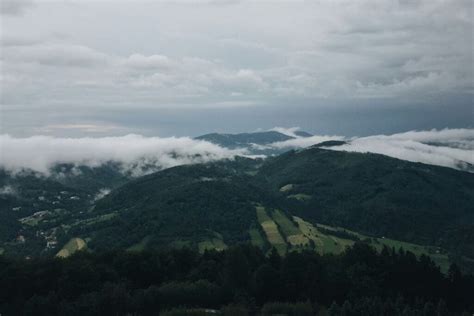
(241, 280)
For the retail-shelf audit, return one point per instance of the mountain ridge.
(215, 205)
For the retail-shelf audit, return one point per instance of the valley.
(296, 201)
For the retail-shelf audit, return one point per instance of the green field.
(283, 233)
(293, 234)
(436, 254)
(30, 221)
(287, 227)
(73, 245)
(324, 243)
(140, 246)
(286, 188)
(212, 244)
(256, 238)
(271, 230)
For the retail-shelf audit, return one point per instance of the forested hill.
(368, 193)
(245, 139)
(378, 195)
(255, 143)
(314, 199)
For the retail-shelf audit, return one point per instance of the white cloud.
(414, 151)
(302, 142)
(7, 190)
(40, 153)
(448, 147)
(102, 193)
(286, 131)
(452, 148)
(454, 135)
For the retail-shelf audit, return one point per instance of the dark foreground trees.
(238, 281)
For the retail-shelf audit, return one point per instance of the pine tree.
(334, 310)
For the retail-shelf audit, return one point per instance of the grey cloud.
(168, 55)
(117, 79)
(54, 54)
(389, 50)
(14, 7)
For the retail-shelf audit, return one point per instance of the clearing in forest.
(271, 230)
(71, 247)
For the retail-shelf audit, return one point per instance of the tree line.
(241, 280)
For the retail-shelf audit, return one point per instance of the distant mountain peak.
(248, 139)
(303, 134)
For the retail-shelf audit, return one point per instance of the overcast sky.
(95, 68)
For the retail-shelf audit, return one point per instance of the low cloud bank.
(452, 148)
(40, 153)
(137, 154)
(301, 142)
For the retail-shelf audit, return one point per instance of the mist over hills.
(137, 155)
(215, 201)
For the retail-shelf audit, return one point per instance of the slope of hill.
(375, 194)
(184, 205)
(279, 202)
(32, 204)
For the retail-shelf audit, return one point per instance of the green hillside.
(189, 204)
(376, 195)
(294, 201)
(286, 233)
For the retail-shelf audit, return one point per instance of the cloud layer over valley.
(40, 153)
